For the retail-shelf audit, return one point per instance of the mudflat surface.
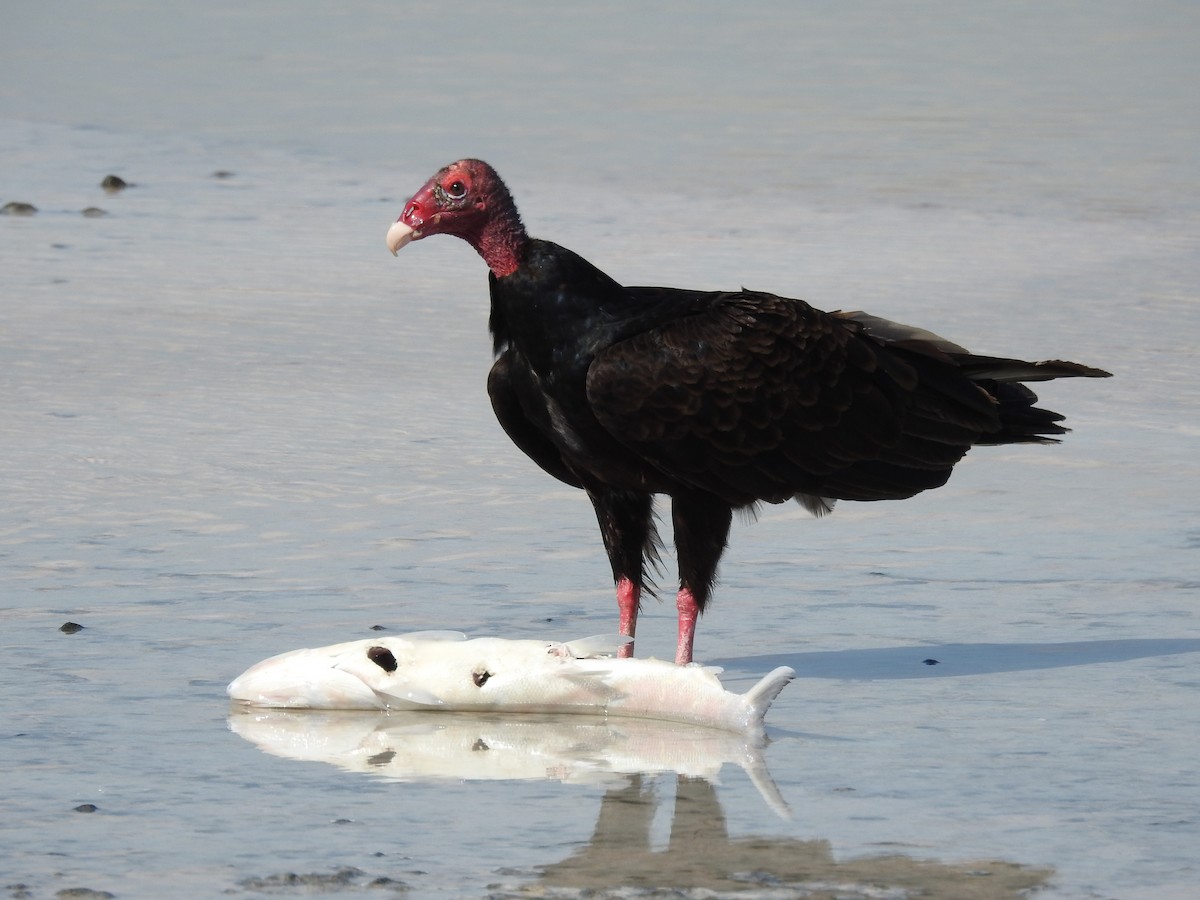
(234, 426)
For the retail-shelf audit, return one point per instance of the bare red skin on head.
(468, 200)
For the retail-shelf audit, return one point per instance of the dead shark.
(447, 671)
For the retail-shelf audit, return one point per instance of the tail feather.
(996, 368)
(1020, 421)
(976, 367)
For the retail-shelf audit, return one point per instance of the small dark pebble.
(70, 627)
(379, 628)
(757, 877)
(384, 881)
(82, 894)
(382, 758)
(343, 877)
(114, 183)
(86, 808)
(17, 208)
(222, 173)
(94, 212)
(930, 662)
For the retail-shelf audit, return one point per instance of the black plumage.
(720, 400)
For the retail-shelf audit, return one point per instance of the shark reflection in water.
(627, 758)
(414, 746)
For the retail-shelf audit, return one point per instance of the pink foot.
(688, 613)
(628, 601)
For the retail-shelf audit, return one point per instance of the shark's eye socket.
(383, 658)
(480, 678)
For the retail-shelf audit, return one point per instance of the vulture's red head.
(466, 199)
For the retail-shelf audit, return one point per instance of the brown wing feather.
(759, 397)
(521, 423)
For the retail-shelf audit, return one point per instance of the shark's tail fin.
(763, 694)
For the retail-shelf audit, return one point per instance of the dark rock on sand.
(346, 878)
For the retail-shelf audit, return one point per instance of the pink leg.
(688, 613)
(628, 598)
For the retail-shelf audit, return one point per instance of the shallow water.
(235, 426)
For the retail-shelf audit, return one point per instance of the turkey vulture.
(719, 399)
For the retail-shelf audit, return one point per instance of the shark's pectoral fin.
(593, 647)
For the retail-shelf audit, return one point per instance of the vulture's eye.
(456, 190)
